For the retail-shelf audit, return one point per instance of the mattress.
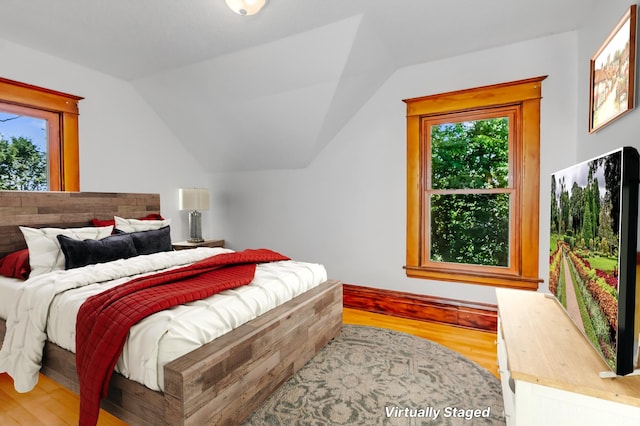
(166, 335)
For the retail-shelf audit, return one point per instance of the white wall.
(347, 209)
(124, 146)
(623, 131)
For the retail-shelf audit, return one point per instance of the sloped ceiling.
(273, 105)
(270, 91)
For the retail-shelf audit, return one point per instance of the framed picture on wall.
(612, 76)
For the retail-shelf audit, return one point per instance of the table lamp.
(194, 200)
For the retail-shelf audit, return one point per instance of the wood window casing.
(523, 98)
(59, 109)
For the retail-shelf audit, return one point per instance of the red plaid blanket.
(104, 320)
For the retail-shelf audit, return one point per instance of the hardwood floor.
(479, 346)
(52, 404)
(48, 404)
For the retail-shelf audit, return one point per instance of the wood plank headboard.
(65, 210)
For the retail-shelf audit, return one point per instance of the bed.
(221, 382)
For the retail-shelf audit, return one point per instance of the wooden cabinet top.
(545, 347)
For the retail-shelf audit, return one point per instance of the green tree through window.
(470, 154)
(23, 161)
(470, 228)
(22, 166)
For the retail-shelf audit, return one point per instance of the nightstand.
(183, 245)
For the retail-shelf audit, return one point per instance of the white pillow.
(45, 254)
(136, 225)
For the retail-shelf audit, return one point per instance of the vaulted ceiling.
(269, 91)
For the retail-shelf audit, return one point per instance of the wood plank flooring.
(52, 404)
(48, 404)
(478, 346)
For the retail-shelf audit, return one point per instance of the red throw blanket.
(104, 320)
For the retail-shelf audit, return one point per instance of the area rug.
(373, 376)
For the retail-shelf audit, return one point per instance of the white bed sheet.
(9, 290)
(166, 335)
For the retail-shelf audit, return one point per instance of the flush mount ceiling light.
(245, 7)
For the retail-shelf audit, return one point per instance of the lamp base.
(195, 227)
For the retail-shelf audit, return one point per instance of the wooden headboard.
(65, 210)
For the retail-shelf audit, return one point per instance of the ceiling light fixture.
(245, 7)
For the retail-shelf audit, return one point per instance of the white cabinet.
(505, 379)
(550, 372)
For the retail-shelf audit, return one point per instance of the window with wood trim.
(55, 117)
(473, 185)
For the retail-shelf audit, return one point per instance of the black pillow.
(79, 253)
(153, 241)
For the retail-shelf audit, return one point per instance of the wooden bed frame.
(222, 382)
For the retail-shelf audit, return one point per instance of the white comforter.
(47, 305)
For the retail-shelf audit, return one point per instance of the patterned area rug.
(373, 376)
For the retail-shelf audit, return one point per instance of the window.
(473, 185)
(54, 118)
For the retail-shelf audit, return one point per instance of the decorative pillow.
(152, 241)
(16, 265)
(45, 254)
(137, 225)
(112, 222)
(88, 252)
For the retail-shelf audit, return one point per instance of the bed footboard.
(224, 381)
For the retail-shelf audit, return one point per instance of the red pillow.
(16, 265)
(112, 222)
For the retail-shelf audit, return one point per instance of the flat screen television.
(592, 261)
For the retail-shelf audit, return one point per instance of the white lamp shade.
(193, 198)
(245, 7)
